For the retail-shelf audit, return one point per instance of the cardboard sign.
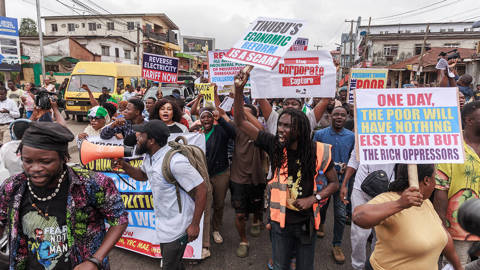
(301, 44)
(299, 74)
(222, 72)
(140, 235)
(207, 90)
(265, 42)
(159, 68)
(408, 125)
(366, 78)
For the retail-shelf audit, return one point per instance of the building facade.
(388, 44)
(154, 33)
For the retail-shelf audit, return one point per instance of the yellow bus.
(98, 75)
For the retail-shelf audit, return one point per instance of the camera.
(453, 54)
(43, 100)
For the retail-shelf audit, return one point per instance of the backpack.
(195, 156)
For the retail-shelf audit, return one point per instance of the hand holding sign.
(242, 77)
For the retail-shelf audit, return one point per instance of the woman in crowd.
(169, 112)
(98, 117)
(410, 234)
(28, 99)
(217, 137)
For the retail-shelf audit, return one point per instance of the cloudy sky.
(225, 20)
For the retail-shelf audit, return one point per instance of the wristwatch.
(318, 197)
(96, 262)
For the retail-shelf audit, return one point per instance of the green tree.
(28, 27)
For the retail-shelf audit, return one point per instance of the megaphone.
(90, 152)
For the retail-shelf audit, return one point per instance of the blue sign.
(9, 45)
(8, 26)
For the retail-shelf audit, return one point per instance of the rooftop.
(164, 17)
(430, 57)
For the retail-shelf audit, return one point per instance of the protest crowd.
(284, 160)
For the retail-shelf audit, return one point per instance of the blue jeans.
(340, 215)
(293, 238)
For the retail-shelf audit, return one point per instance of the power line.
(424, 11)
(44, 8)
(410, 11)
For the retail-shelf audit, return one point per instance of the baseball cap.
(156, 129)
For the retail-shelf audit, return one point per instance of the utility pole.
(138, 44)
(420, 61)
(318, 46)
(40, 36)
(351, 41)
(365, 51)
(3, 13)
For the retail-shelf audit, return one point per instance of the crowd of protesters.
(283, 160)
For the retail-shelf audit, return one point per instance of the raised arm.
(240, 120)
(320, 108)
(194, 110)
(93, 101)
(265, 107)
(370, 215)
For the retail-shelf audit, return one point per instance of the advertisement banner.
(301, 44)
(299, 74)
(366, 78)
(9, 45)
(198, 45)
(408, 125)
(265, 42)
(140, 236)
(159, 68)
(222, 72)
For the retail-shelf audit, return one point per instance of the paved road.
(223, 256)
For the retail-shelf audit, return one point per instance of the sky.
(226, 20)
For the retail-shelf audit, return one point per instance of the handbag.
(375, 183)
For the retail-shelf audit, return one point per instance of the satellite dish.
(476, 24)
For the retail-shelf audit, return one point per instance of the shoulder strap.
(167, 174)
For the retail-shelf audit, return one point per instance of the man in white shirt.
(359, 236)
(8, 152)
(8, 113)
(174, 228)
(129, 93)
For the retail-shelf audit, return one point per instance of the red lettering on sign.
(304, 61)
(301, 81)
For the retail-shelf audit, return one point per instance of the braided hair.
(306, 147)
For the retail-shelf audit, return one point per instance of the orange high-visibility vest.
(278, 186)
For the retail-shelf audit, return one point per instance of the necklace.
(49, 197)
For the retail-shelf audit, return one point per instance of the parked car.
(167, 90)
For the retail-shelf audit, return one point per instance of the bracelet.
(96, 262)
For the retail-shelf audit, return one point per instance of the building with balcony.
(154, 32)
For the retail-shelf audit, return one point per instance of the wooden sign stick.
(413, 175)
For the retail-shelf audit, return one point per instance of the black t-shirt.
(267, 141)
(47, 238)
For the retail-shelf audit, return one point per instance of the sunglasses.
(95, 117)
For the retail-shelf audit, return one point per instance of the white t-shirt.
(364, 170)
(170, 224)
(273, 120)
(11, 160)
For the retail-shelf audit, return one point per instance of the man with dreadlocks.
(303, 175)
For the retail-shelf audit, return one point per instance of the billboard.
(198, 45)
(9, 45)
